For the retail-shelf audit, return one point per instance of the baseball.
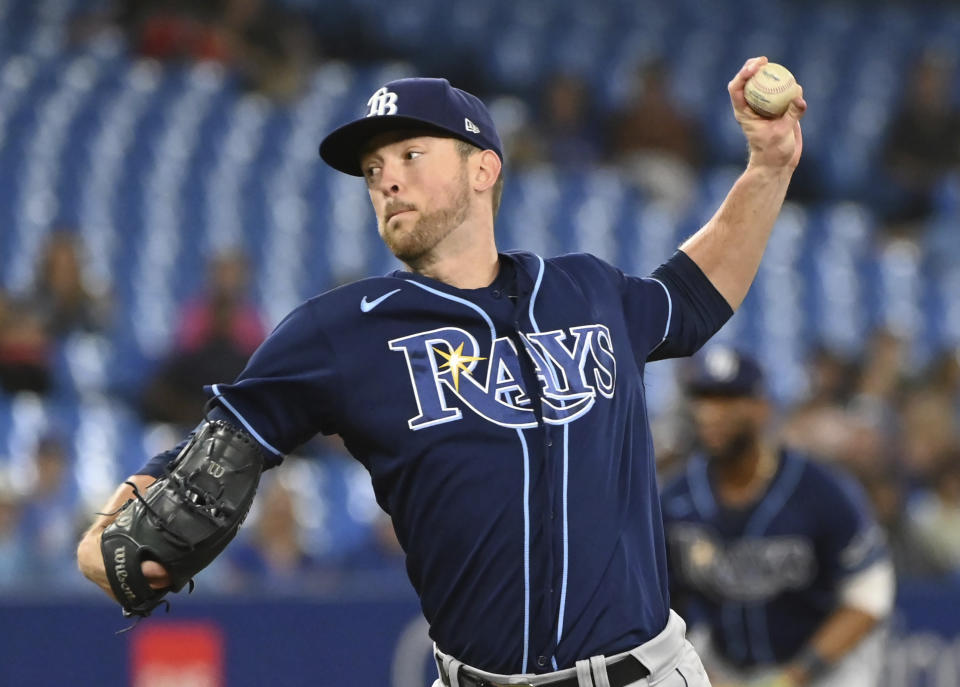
(770, 90)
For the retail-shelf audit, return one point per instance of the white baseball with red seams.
(770, 90)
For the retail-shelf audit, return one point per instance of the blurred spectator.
(673, 437)
(832, 377)
(654, 142)
(929, 432)
(523, 145)
(26, 350)
(50, 521)
(174, 29)
(217, 332)
(272, 555)
(564, 131)
(943, 374)
(923, 142)
(224, 304)
(850, 412)
(14, 552)
(58, 304)
(60, 297)
(882, 375)
(911, 557)
(869, 441)
(937, 513)
(271, 47)
(817, 423)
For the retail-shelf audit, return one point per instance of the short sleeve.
(648, 307)
(674, 311)
(851, 539)
(288, 391)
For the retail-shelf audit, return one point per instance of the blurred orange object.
(187, 654)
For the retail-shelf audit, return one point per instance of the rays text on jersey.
(572, 366)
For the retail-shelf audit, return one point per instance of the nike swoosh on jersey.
(367, 306)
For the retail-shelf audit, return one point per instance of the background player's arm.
(865, 599)
(730, 245)
(844, 629)
(89, 556)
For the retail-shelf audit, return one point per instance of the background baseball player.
(497, 399)
(776, 556)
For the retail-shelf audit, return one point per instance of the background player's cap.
(430, 103)
(724, 371)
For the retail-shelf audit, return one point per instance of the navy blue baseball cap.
(411, 103)
(724, 371)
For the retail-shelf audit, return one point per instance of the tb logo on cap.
(383, 102)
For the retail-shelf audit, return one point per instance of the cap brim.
(342, 148)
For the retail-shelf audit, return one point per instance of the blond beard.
(414, 247)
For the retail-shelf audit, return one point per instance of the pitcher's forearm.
(89, 556)
(729, 247)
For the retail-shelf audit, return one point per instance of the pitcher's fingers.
(797, 106)
(155, 574)
(738, 82)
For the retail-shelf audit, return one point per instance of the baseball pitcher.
(496, 399)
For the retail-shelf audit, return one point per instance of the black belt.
(624, 672)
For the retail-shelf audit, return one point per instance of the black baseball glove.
(184, 519)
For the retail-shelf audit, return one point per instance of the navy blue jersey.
(766, 576)
(506, 433)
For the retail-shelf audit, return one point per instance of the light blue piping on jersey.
(566, 536)
(771, 504)
(666, 330)
(536, 328)
(774, 500)
(526, 549)
(706, 507)
(566, 472)
(536, 292)
(462, 301)
(243, 421)
(526, 473)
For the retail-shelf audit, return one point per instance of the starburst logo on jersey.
(572, 367)
(456, 363)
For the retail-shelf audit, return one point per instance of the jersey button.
(496, 293)
(549, 442)
(542, 661)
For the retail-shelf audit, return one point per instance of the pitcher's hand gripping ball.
(185, 518)
(770, 90)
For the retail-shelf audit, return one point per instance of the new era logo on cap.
(430, 104)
